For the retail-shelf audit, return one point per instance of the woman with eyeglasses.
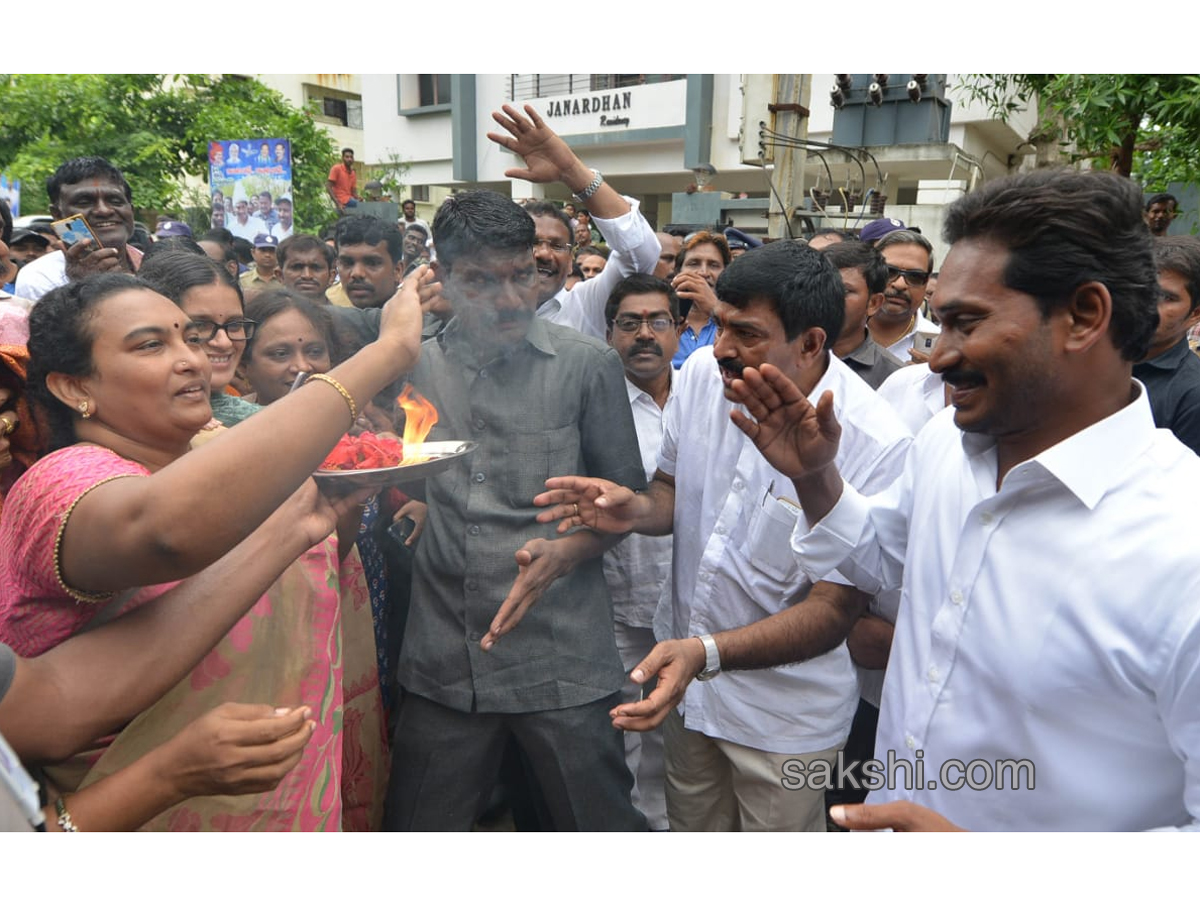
(122, 509)
(212, 298)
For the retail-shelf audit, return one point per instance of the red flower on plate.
(364, 451)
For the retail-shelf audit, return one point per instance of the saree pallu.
(307, 641)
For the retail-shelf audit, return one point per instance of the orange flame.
(419, 416)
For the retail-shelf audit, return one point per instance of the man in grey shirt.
(539, 399)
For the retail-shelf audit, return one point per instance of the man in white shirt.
(909, 259)
(643, 327)
(94, 188)
(731, 515)
(1049, 632)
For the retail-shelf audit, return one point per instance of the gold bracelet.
(332, 382)
(64, 818)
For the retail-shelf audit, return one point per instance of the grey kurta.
(556, 406)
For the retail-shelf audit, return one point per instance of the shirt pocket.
(769, 538)
(529, 459)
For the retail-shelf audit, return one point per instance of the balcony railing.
(530, 87)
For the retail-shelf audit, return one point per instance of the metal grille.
(529, 87)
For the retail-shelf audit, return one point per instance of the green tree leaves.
(155, 129)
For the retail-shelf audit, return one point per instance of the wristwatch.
(594, 185)
(712, 659)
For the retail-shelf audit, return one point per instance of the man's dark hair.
(370, 230)
(906, 236)
(593, 250)
(407, 201)
(6, 222)
(347, 149)
(1181, 254)
(864, 257)
(76, 170)
(543, 208)
(219, 235)
(243, 250)
(1063, 228)
(472, 222)
(1162, 198)
(266, 194)
(417, 226)
(639, 284)
(301, 243)
(801, 284)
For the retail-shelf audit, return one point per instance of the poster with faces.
(251, 185)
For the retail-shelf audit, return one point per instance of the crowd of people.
(748, 529)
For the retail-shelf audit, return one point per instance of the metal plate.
(439, 456)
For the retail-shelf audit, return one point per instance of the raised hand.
(547, 156)
(85, 258)
(795, 437)
(690, 286)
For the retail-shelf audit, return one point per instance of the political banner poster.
(10, 190)
(251, 183)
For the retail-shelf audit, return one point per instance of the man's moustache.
(732, 366)
(648, 347)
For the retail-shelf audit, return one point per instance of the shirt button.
(956, 598)
(720, 529)
(986, 518)
(737, 485)
(933, 673)
(474, 529)
(478, 425)
(483, 373)
(910, 742)
(480, 478)
(471, 585)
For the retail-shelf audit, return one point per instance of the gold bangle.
(64, 818)
(332, 382)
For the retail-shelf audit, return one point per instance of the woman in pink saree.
(123, 510)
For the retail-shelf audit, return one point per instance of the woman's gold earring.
(85, 409)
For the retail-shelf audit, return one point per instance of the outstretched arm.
(93, 683)
(810, 628)
(136, 531)
(607, 507)
(548, 159)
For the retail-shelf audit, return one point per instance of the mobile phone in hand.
(74, 229)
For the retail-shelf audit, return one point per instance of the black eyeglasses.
(633, 324)
(237, 330)
(915, 277)
(552, 245)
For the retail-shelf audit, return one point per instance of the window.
(433, 90)
(335, 107)
(419, 193)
